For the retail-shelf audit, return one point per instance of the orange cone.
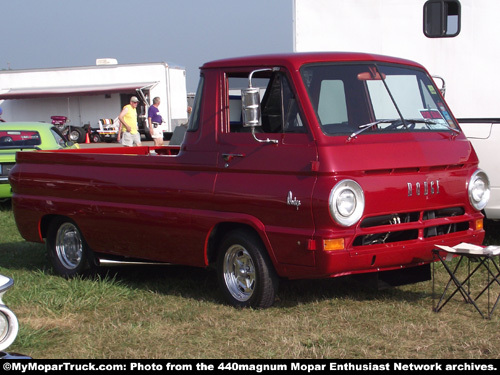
(87, 139)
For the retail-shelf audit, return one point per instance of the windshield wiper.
(427, 123)
(362, 128)
(441, 123)
(405, 123)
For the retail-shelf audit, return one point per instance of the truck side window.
(194, 119)
(441, 18)
(280, 110)
(235, 84)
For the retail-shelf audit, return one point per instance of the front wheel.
(245, 273)
(67, 249)
(95, 138)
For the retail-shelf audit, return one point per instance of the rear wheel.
(245, 272)
(67, 249)
(76, 134)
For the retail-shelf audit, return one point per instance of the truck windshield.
(366, 98)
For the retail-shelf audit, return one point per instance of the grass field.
(177, 312)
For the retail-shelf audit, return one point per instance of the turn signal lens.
(479, 224)
(335, 244)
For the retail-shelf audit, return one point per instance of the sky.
(64, 33)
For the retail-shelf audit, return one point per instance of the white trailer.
(90, 93)
(456, 40)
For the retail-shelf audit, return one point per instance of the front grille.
(410, 226)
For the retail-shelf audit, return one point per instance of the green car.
(17, 136)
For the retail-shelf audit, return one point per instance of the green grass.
(178, 312)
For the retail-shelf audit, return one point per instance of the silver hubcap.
(239, 273)
(69, 246)
(74, 135)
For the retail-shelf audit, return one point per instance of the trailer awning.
(64, 91)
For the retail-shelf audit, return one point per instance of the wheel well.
(45, 223)
(217, 235)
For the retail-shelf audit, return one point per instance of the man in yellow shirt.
(128, 131)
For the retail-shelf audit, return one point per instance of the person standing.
(1, 111)
(128, 130)
(155, 120)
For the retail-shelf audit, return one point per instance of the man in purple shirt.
(155, 120)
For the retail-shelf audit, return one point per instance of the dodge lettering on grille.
(429, 188)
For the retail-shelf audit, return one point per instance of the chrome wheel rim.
(239, 273)
(74, 135)
(69, 246)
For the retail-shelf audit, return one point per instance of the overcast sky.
(61, 33)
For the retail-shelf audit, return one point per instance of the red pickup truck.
(293, 166)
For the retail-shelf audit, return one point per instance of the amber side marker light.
(334, 244)
(479, 224)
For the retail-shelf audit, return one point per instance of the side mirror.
(250, 106)
(443, 84)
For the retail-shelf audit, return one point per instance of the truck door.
(269, 176)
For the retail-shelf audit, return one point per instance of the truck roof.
(298, 59)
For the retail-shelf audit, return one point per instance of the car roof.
(24, 125)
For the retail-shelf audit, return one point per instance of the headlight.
(346, 202)
(479, 190)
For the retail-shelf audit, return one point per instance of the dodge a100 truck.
(313, 165)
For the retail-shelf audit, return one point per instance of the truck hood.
(403, 151)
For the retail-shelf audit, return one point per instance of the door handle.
(229, 157)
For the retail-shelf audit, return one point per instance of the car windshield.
(366, 98)
(59, 138)
(19, 138)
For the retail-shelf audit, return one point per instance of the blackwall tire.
(66, 248)
(95, 138)
(245, 273)
(76, 135)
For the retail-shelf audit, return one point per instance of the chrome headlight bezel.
(346, 203)
(479, 190)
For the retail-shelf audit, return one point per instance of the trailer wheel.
(245, 273)
(67, 250)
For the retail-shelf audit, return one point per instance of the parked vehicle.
(351, 163)
(107, 131)
(9, 325)
(73, 133)
(19, 136)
